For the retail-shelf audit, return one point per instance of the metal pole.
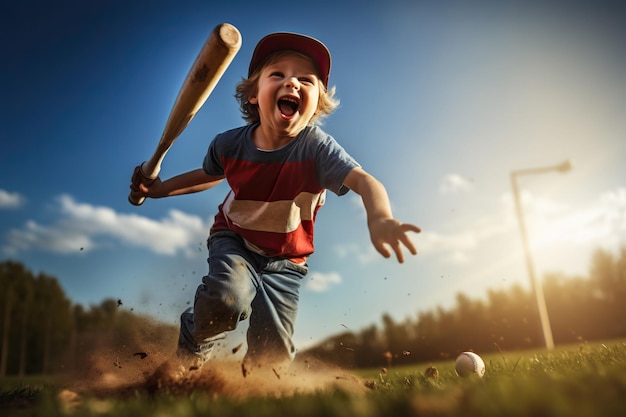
(536, 285)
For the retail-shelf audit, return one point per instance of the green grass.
(582, 380)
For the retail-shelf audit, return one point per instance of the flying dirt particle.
(236, 348)
(117, 363)
(276, 373)
(406, 352)
(370, 384)
(388, 357)
(141, 355)
(69, 400)
(82, 248)
(119, 302)
(432, 372)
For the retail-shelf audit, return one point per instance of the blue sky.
(439, 100)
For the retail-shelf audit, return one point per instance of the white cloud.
(10, 200)
(490, 236)
(86, 227)
(454, 246)
(55, 239)
(601, 222)
(363, 253)
(554, 229)
(454, 183)
(321, 282)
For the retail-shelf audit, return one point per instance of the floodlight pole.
(536, 286)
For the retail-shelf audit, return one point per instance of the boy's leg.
(224, 297)
(274, 314)
(192, 354)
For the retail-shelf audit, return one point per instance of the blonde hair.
(248, 87)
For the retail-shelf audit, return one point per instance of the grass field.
(582, 380)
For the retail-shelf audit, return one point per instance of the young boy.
(278, 167)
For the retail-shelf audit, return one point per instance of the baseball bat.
(215, 56)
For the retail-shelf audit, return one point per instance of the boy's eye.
(303, 79)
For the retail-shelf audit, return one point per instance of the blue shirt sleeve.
(212, 164)
(333, 163)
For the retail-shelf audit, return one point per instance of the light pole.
(535, 284)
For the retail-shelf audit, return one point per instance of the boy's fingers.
(406, 241)
(396, 240)
(398, 250)
(382, 249)
(395, 246)
(407, 227)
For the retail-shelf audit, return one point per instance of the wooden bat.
(215, 56)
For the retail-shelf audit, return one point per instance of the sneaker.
(193, 361)
(203, 355)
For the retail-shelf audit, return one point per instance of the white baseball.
(468, 363)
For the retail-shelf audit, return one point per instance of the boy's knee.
(216, 312)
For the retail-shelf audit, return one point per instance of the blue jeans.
(243, 284)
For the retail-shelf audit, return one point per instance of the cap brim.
(282, 41)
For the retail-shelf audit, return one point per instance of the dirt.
(153, 372)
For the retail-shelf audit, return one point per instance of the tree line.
(43, 332)
(580, 309)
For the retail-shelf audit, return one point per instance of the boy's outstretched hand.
(390, 232)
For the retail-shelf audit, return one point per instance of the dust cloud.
(142, 366)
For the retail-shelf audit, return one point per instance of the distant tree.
(473, 334)
(604, 273)
(428, 336)
(8, 287)
(49, 325)
(14, 281)
(572, 307)
(608, 273)
(369, 348)
(43, 332)
(514, 319)
(395, 336)
(26, 290)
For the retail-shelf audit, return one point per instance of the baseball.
(469, 363)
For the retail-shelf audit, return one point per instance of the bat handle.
(139, 177)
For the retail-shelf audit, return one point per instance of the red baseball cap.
(282, 41)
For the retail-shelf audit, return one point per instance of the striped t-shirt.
(275, 195)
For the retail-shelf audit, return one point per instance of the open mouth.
(288, 106)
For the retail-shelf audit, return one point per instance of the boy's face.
(287, 94)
